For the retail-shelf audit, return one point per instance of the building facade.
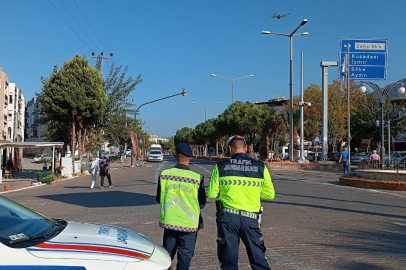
(34, 132)
(12, 111)
(4, 89)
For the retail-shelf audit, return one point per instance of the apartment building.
(16, 113)
(4, 89)
(12, 110)
(34, 132)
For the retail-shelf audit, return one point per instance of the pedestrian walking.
(94, 167)
(105, 172)
(239, 184)
(181, 195)
(344, 159)
(122, 156)
(251, 153)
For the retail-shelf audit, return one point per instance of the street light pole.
(291, 35)
(189, 119)
(232, 83)
(183, 93)
(301, 104)
(381, 94)
(205, 108)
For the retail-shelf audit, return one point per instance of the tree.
(117, 87)
(234, 120)
(168, 146)
(204, 133)
(183, 135)
(74, 95)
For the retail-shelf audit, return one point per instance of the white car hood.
(95, 242)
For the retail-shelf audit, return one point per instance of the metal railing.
(393, 165)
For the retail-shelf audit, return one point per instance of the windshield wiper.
(42, 236)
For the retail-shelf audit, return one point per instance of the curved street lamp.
(205, 108)
(290, 36)
(381, 94)
(232, 83)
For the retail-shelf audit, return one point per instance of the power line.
(70, 26)
(91, 26)
(79, 25)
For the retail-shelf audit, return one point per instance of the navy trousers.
(184, 243)
(230, 229)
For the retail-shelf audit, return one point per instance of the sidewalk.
(29, 175)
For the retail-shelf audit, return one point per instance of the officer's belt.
(241, 213)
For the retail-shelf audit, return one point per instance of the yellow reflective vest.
(179, 204)
(240, 183)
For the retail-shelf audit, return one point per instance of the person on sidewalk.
(374, 157)
(122, 156)
(94, 168)
(181, 195)
(250, 152)
(344, 159)
(105, 172)
(239, 184)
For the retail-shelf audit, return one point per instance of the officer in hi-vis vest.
(181, 195)
(240, 183)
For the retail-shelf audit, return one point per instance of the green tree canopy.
(74, 96)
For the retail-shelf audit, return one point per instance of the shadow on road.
(27, 174)
(389, 243)
(340, 200)
(362, 266)
(337, 209)
(95, 199)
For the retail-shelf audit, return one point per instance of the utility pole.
(100, 58)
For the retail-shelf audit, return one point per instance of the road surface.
(313, 223)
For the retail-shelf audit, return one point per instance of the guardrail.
(394, 165)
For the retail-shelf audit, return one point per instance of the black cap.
(184, 149)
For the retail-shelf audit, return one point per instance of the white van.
(283, 152)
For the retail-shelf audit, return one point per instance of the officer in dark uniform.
(181, 195)
(240, 183)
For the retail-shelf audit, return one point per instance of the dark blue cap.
(184, 149)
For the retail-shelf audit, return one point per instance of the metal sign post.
(394, 115)
(324, 67)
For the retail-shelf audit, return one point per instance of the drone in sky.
(279, 16)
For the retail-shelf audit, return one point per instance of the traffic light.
(183, 92)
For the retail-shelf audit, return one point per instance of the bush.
(39, 176)
(47, 177)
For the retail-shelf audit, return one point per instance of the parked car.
(42, 158)
(399, 155)
(355, 159)
(334, 156)
(155, 155)
(128, 152)
(29, 240)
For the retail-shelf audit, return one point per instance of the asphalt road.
(313, 223)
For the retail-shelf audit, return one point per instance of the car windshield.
(155, 152)
(19, 223)
(38, 156)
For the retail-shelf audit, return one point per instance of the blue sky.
(179, 43)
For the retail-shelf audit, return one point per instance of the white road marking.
(400, 224)
(203, 168)
(158, 171)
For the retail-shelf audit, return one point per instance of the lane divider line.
(157, 172)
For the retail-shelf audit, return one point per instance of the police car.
(29, 240)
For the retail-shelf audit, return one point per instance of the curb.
(373, 184)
